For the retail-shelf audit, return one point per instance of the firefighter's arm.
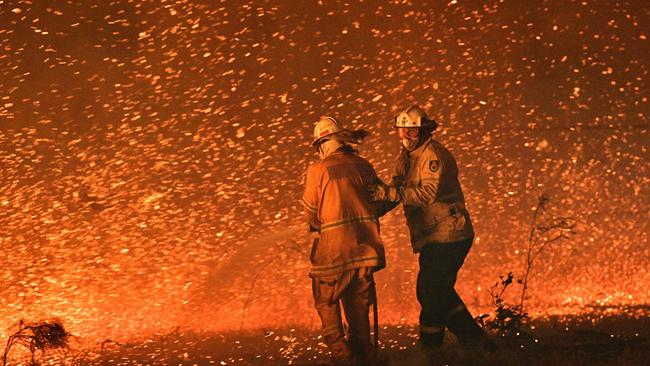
(310, 199)
(384, 197)
(425, 193)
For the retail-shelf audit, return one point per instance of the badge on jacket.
(434, 165)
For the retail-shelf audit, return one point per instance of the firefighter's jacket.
(432, 198)
(337, 204)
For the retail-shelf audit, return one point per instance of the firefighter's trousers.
(353, 289)
(441, 305)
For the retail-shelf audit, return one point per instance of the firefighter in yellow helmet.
(337, 206)
(426, 183)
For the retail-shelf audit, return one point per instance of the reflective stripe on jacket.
(336, 202)
(433, 200)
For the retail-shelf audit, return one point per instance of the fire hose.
(375, 317)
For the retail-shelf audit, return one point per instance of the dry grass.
(44, 336)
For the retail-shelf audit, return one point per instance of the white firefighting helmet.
(325, 127)
(413, 116)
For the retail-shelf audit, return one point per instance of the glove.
(398, 181)
(383, 192)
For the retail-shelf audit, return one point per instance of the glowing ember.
(152, 153)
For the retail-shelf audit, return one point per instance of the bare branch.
(555, 229)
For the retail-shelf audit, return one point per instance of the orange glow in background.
(152, 153)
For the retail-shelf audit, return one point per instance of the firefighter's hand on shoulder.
(384, 192)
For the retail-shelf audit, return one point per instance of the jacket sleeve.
(383, 207)
(311, 199)
(426, 192)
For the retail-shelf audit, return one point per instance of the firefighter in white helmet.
(426, 183)
(349, 249)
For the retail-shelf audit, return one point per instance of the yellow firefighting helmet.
(414, 116)
(325, 127)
